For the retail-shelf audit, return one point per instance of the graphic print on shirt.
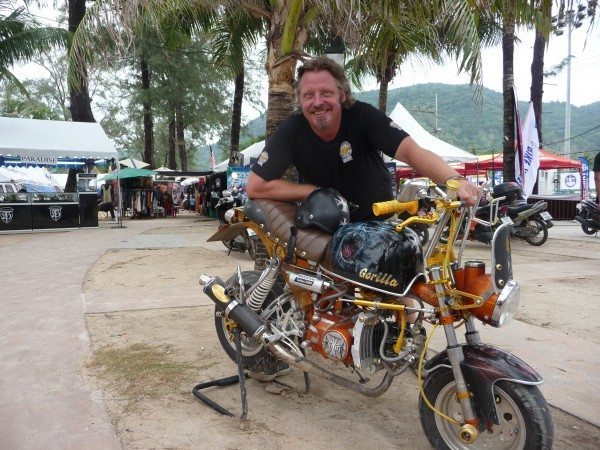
(346, 151)
(395, 125)
(262, 158)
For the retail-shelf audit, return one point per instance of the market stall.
(46, 143)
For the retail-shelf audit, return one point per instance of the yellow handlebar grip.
(394, 206)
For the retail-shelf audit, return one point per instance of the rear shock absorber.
(258, 294)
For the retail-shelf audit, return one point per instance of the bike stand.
(227, 381)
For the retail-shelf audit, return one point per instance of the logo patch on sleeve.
(346, 151)
(262, 158)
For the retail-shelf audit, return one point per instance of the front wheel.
(537, 231)
(525, 420)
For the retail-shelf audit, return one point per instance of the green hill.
(476, 125)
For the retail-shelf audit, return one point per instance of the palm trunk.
(384, 77)
(148, 118)
(80, 107)
(537, 80)
(508, 147)
(236, 120)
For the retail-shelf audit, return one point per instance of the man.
(336, 142)
(596, 169)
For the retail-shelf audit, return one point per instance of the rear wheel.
(255, 356)
(587, 230)
(537, 231)
(525, 421)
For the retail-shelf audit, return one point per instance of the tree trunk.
(384, 77)
(235, 159)
(148, 118)
(508, 147)
(80, 107)
(180, 137)
(537, 81)
(171, 162)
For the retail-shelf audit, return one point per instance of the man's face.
(321, 101)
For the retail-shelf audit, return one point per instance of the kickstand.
(306, 378)
(239, 378)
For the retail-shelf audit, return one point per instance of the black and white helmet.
(324, 208)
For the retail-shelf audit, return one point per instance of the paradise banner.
(526, 167)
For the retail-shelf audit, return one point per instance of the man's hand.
(469, 193)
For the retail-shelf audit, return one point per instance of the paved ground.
(44, 403)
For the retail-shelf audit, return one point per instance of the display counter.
(43, 211)
(15, 212)
(54, 210)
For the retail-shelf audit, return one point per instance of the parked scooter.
(241, 239)
(588, 215)
(528, 221)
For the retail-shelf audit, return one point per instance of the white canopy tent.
(54, 139)
(250, 152)
(44, 141)
(447, 152)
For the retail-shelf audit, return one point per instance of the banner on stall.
(237, 178)
(48, 160)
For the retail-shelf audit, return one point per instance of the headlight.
(506, 305)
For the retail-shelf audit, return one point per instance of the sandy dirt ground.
(148, 356)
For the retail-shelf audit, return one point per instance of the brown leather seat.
(278, 217)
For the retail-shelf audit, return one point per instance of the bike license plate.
(506, 219)
(546, 215)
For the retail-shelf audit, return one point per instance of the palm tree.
(236, 33)
(21, 40)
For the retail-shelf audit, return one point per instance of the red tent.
(547, 161)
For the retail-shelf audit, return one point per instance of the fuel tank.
(373, 254)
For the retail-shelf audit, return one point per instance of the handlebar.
(394, 206)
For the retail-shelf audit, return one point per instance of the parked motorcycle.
(526, 221)
(369, 297)
(588, 215)
(238, 239)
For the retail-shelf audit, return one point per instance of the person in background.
(107, 200)
(336, 142)
(596, 170)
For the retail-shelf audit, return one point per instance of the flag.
(212, 157)
(530, 152)
(585, 178)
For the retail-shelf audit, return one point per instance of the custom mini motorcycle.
(369, 296)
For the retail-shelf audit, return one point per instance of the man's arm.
(434, 167)
(281, 190)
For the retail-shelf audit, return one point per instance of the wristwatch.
(454, 177)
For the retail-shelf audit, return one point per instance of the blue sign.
(585, 177)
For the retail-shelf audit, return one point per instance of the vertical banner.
(585, 178)
(530, 153)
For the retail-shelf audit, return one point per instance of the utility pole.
(571, 19)
(422, 109)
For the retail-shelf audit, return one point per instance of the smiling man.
(335, 141)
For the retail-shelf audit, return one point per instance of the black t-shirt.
(350, 163)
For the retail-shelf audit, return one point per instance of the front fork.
(469, 429)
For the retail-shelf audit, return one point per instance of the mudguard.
(501, 257)
(227, 232)
(482, 367)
